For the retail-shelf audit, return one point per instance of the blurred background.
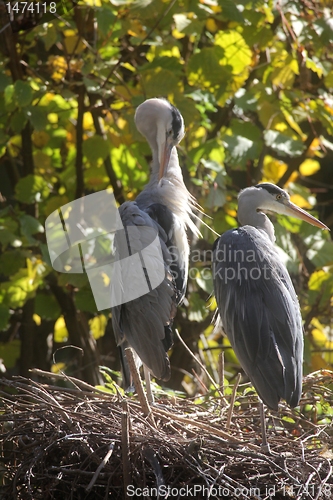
(254, 83)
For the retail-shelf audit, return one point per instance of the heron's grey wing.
(145, 322)
(176, 243)
(260, 313)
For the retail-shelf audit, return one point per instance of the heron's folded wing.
(260, 313)
(145, 322)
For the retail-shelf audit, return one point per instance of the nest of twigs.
(76, 442)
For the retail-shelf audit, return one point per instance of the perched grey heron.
(145, 324)
(256, 300)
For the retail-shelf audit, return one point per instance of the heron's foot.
(130, 389)
(265, 448)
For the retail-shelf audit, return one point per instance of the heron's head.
(163, 127)
(268, 197)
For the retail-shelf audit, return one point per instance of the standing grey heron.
(165, 204)
(256, 300)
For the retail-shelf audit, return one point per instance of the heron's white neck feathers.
(249, 212)
(170, 191)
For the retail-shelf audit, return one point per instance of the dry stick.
(201, 365)
(125, 447)
(232, 401)
(221, 377)
(138, 385)
(204, 388)
(213, 431)
(209, 355)
(45, 396)
(101, 466)
(63, 376)
(221, 372)
(322, 484)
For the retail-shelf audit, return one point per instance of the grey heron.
(256, 299)
(145, 324)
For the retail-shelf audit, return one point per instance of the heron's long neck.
(248, 214)
(170, 190)
(173, 171)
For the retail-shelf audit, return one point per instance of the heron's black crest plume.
(271, 188)
(177, 122)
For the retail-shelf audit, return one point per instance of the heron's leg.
(148, 386)
(265, 445)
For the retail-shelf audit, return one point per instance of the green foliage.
(253, 81)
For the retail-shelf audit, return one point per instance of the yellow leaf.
(300, 201)
(40, 139)
(37, 319)
(177, 34)
(88, 122)
(53, 117)
(42, 161)
(267, 112)
(73, 44)
(317, 362)
(319, 337)
(60, 331)
(211, 25)
(136, 29)
(232, 212)
(292, 123)
(122, 123)
(58, 66)
(309, 167)
(273, 169)
(58, 367)
(97, 326)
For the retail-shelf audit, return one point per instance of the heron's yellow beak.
(165, 158)
(295, 211)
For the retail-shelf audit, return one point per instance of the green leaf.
(4, 81)
(10, 352)
(32, 188)
(4, 317)
(76, 280)
(283, 144)
(46, 306)
(320, 287)
(230, 11)
(85, 301)
(96, 147)
(321, 253)
(165, 62)
(91, 85)
(243, 142)
(30, 226)
(18, 290)
(205, 281)
(12, 261)
(216, 197)
(324, 29)
(198, 308)
(9, 95)
(51, 36)
(204, 68)
(37, 116)
(23, 93)
(18, 121)
(165, 81)
(105, 20)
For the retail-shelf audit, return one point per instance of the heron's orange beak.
(295, 211)
(165, 158)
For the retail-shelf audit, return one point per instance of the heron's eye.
(169, 132)
(278, 196)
